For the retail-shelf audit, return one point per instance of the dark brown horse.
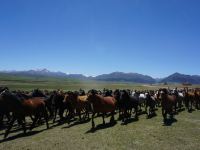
(3, 111)
(100, 104)
(127, 103)
(21, 109)
(59, 105)
(168, 103)
(150, 103)
(189, 100)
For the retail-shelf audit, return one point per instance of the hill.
(126, 77)
(182, 78)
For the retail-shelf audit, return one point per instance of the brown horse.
(197, 99)
(189, 99)
(100, 104)
(21, 109)
(168, 102)
(78, 104)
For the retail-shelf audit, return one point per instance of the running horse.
(3, 111)
(168, 103)
(22, 108)
(100, 104)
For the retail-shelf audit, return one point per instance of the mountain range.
(115, 76)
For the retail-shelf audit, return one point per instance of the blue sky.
(156, 37)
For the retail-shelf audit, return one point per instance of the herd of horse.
(42, 106)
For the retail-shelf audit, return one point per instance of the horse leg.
(191, 103)
(164, 115)
(136, 112)
(119, 113)
(8, 116)
(103, 116)
(196, 103)
(31, 117)
(39, 120)
(22, 123)
(79, 114)
(188, 105)
(175, 107)
(171, 115)
(93, 125)
(130, 113)
(10, 126)
(146, 109)
(61, 111)
(34, 121)
(112, 119)
(123, 115)
(50, 110)
(55, 114)
(1, 120)
(45, 114)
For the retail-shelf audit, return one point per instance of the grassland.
(49, 83)
(183, 134)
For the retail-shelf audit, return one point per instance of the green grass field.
(142, 134)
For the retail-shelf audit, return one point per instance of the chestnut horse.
(100, 104)
(22, 108)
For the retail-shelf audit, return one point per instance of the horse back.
(104, 104)
(33, 105)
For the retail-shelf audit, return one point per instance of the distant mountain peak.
(42, 70)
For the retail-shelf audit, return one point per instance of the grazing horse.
(168, 102)
(22, 108)
(100, 104)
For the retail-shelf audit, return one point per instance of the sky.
(92, 37)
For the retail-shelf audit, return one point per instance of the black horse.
(126, 103)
